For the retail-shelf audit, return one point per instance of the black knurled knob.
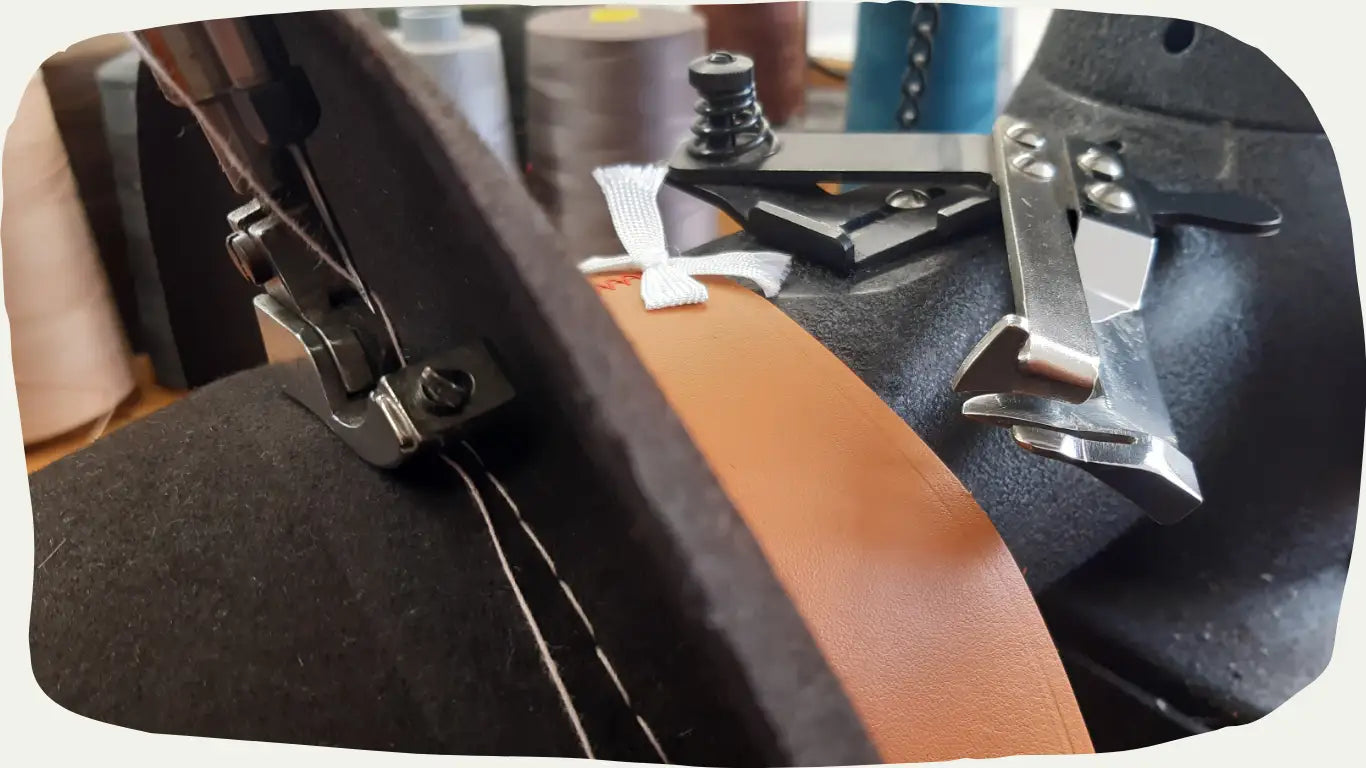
(721, 72)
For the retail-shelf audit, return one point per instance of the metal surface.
(1123, 434)
(268, 248)
(1114, 264)
(1047, 348)
(389, 423)
(859, 229)
(1101, 163)
(189, 57)
(811, 158)
(1151, 473)
(374, 427)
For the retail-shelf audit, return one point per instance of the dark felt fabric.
(227, 568)
(455, 247)
(207, 577)
(714, 655)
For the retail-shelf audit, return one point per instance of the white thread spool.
(72, 365)
(466, 63)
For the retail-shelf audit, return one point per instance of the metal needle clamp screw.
(444, 391)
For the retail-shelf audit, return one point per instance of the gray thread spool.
(608, 86)
(510, 23)
(466, 62)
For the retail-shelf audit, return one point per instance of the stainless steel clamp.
(1094, 401)
(1069, 372)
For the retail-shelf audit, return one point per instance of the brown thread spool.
(609, 85)
(774, 35)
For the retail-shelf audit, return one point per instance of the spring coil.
(729, 124)
(919, 54)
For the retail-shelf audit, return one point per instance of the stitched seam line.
(550, 667)
(573, 601)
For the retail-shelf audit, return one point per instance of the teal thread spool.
(961, 88)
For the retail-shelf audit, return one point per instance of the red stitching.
(613, 283)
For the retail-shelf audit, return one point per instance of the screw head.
(1111, 197)
(444, 391)
(1101, 164)
(721, 72)
(1025, 135)
(1034, 166)
(908, 199)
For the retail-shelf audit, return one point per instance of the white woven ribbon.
(667, 281)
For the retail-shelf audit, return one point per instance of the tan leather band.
(905, 585)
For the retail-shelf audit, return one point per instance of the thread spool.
(605, 86)
(72, 364)
(961, 87)
(774, 36)
(466, 63)
(510, 22)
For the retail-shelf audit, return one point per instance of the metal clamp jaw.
(1069, 371)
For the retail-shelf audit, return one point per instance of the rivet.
(1111, 197)
(1101, 164)
(1034, 166)
(907, 199)
(1025, 135)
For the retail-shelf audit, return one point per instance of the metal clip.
(417, 405)
(1122, 434)
(1047, 347)
(338, 361)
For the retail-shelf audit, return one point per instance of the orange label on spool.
(613, 14)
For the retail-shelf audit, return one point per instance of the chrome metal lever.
(1122, 434)
(1047, 348)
